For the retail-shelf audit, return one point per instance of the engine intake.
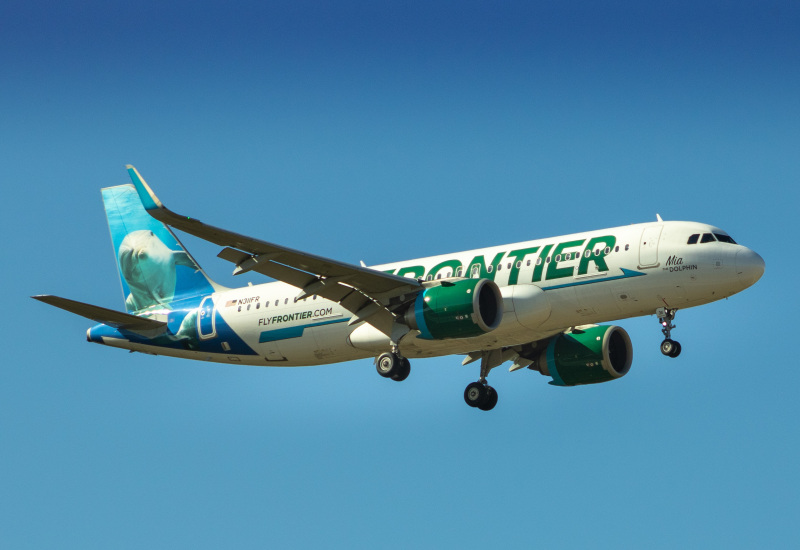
(456, 309)
(587, 355)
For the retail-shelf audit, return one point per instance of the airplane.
(536, 304)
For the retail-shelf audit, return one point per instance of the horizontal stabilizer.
(108, 317)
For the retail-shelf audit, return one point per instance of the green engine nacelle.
(587, 356)
(456, 309)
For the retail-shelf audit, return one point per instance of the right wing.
(370, 295)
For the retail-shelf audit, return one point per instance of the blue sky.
(379, 132)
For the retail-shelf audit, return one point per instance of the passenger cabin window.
(707, 238)
(724, 238)
(693, 238)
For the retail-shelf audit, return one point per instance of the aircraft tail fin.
(154, 267)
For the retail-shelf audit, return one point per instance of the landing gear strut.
(669, 347)
(480, 394)
(393, 365)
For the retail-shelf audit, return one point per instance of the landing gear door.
(648, 248)
(206, 319)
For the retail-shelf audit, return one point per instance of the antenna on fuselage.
(658, 217)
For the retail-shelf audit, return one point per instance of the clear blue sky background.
(383, 131)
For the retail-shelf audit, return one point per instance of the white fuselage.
(548, 285)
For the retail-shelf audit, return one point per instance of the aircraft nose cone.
(749, 266)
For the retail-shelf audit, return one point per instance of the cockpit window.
(707, 238)
(724, 238)
(693, 239)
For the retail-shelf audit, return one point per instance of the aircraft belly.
(185, 353)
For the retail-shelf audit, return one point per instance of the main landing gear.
(480, 394)
(669, 347)
(393, 365)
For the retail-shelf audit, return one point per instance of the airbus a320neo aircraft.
(534, 304)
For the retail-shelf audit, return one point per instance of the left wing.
(369, 294)
(125, 321)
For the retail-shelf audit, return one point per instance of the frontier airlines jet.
(534, 304)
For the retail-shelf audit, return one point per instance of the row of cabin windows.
(710, 238)
(476, 268)
(277, 303)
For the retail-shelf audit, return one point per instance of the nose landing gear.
(669, 347)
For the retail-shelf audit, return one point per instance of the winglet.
(146, 195)
(152, 205)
